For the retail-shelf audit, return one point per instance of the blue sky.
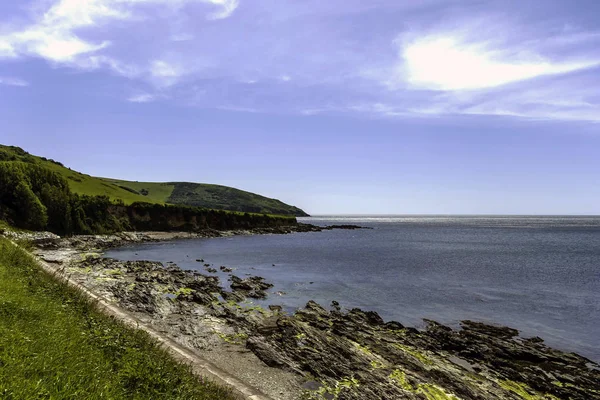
(384, 106)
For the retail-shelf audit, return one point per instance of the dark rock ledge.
(339, 354)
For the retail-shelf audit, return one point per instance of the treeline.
(35, 198)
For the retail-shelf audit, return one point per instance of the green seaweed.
(399, 377)
(524, 391)
(235, 338)
(415, 354)
(344, 384)
(363, 349)
(430, 391)
(184, 292)
(433, 392)
(113, 272)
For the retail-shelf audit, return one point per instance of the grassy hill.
(181, 193)
(57, 345)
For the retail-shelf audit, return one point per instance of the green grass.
(92, 186)
(156, 192)
(4, 226)
(227, 198)
(54, 345)
(216, 197)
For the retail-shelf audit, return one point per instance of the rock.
(351, 355)
(347, 227)
(388, 361)
(336, 306)
(225, 269)
(253, 286)
(140, 298)
(269, 355)
(234, 296)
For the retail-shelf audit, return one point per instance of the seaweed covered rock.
(356, 355)
(253, 286)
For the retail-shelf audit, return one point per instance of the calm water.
(540, 275)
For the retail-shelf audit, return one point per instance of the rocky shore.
(318, 353)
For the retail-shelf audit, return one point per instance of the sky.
(338, 106)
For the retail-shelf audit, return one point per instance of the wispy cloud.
(446, 62)
(163, 69)
(498, 70)
(165, 74)
(142, 98)
(564, 99)
(553, 98)
(52, 36)
(227, 8)
(13, 81)
(55, 35)
(309, 57)
(6, 49)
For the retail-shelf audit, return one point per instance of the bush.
(36, 198)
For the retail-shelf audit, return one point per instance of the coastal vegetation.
(54, 344)
(179, 193)
(35, 196)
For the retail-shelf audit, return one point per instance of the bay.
(538, 274)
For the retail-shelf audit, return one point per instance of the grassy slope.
(183, 193)
(53, 344)
(227, 198)
(78, 182)
(157, 192)
(86, 184)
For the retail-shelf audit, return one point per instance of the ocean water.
(540, 275)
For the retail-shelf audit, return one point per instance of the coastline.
(347, 355)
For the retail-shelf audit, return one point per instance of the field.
(211, 196)
(53, 344)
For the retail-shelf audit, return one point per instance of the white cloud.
(444, 62)
(163, 69)
(13, 81)
(285, 78)
(492, 70)
(54, 45)
(52, 36)
(55, 34)
(227, 8)
(142, 98)
(92, 62)
(164, 74)
(557, 114)
(569, 101)
(69, 14)
(566, 98)
(6, 49)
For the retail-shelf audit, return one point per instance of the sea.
(538, 274)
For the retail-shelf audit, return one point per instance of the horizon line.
(450, 215)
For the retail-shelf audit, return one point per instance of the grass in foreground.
(54, 345)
